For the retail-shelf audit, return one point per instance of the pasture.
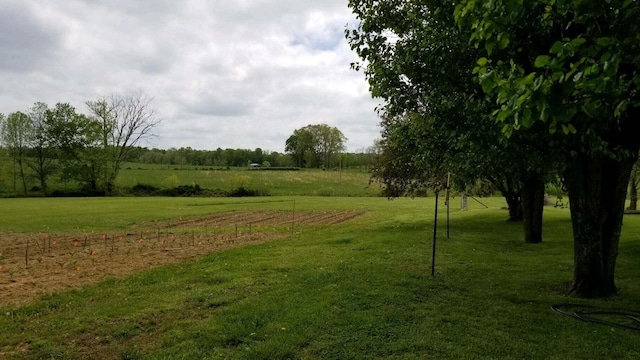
(353, 284)
(303, 182)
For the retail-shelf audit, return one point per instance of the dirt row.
(36, 264)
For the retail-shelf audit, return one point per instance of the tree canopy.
(315, 145)
(556, 78)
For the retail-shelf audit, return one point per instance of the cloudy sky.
(229, 74)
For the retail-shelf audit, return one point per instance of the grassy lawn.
(361, 289)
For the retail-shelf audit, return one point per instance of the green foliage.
(436, 119)
(568, 70)
(570, 65)
(315, 146)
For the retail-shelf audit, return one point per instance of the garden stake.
(38, 245)
(293, 216)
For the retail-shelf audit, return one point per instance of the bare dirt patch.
(36, 264)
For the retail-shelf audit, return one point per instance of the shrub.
(244, 192)
(144, 189)
(325, 192)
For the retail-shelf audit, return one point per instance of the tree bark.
(514, 204)
(597, 192)
(533, 207)
(633, 191)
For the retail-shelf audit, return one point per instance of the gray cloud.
(25, 41)
(222, 73)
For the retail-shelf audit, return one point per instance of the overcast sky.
(229, 74)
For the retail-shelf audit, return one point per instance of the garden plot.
(37, 264)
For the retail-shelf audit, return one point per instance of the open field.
(352, 289)
(303, 182)
(276, 183)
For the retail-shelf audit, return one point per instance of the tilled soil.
(36, 264)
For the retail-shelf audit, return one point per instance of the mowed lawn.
(361, 289)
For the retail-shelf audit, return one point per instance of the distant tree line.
(85, 152)
(222, 158)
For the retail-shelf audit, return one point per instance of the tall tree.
(571, 66)
(41, 163)
(328, 143)
(315, 145)
(124, 122)
(16, 132)
(77, 141)
(420, 62)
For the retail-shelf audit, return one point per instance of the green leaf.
(577, 76)
(542, 61)
(489, 45)
(507, 130)
(488, 83)
(604, 41)
(504, 42)
(577, 42)
(622, 107)
(482, 61)
(556, 48)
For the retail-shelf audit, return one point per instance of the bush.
(184, 190)
(325, 192)
(244, 192)
(144, 189)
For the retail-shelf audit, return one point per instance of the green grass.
(276, 183)
(357, 290)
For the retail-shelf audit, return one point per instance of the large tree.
(300, 146)
(571, 66)
(421, 63)
(76, 139)
(17, 133)
(315, 145)
(124, 122)
(42, 160)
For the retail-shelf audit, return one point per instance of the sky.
(229, 74)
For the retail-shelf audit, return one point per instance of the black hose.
(627, 319)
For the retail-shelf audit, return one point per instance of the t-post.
(448, 191)
(435, 228)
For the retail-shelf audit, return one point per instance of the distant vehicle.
(255, 165)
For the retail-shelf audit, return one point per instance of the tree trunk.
(514, 204)
(597, 191)
(533, 207)
(23, 177)
(633, 191)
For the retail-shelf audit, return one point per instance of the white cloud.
(230, 74)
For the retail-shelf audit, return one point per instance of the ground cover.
(359, 289)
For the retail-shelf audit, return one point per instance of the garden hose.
(621, 318)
